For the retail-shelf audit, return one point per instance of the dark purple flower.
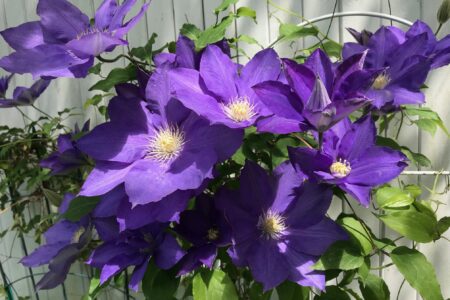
(350, 159)
(64, 43)
(319, 93)
(206, 229)
(65, 241)
(220, 91)
(279, 229)
(67, 157)
(155, 153)
(136, 248)
(403, 60)
(22, 96)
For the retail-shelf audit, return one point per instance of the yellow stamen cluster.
(340, 168)
(239, 109)
(272, 225)
(166, 144)
(77, 235)
(213, 234)
(381, 81)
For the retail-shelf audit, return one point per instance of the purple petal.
(357, 140)
(118, 264)
(105, 13)
(168, 253)
(279, 125)
(25, 36)
(300, 78)
(350, 49)
(404, 96)
(376, 166)
(138, 275)
(219, 73)
(197, 256)
(109, 203)
(264, 66)
(42, 255)
(94, 44)
(288, 180)
(382, 44)
(359, 192)
(120, 32)
(186, 56)
(279, 99)
(321, 65)
(308, 161)
(104, 177)
(43, 60)
(61, 19)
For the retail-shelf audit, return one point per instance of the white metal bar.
(357, 14)
(425, 173)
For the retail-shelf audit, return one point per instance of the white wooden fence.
(165, 17)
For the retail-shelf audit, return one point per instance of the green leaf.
(159, 284)
(52, 196)
(246, 12)
(116, 76)
(292, 31)
(93, 101)
(427, 125)
(417, 158)
(374, 288)
(342, 255)
(215, 284)
(332, 48)
(79, 207)
(96, 69)
(443, 225)
(357, 233)
(213, 34)
(393, 197)
(190, 31)
(292, 291)
(333, 292)
(145, 53)
(418, 272)
(417, 226)
(428, 120)
(413, 190)
(364, 270)
(248, 39)
(224, 5)
(256, 292)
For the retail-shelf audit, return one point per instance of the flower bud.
(444, 12)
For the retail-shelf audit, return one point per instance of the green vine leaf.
(342, 255)
(418, 272)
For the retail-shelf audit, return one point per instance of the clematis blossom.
(63, 43)
(318, 95)
(279, 229)
(21, 96)
(206, 229)
(220, 91)
(136, 248)
(65, 241)
(154, 152)
(350, 159)
(403, 60)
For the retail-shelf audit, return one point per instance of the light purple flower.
(21, 96)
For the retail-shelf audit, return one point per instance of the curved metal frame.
(357, 14)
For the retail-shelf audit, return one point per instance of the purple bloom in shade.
(319, 94)
(136, 248)
(22, 96)
(67, 157)
(64, 43)
(155, 153)
(65, 241)
(206, 229)
(221, 92)
(350, 159)
(403, 61)
(278, 223)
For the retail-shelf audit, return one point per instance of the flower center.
(381, 81)
(272, 225)
(239, 109)
(213, 234)
(77, 235)
(91, 30)
(340, 168)
(166, 144)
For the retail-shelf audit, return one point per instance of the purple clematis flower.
(67, 157)
(221, 92)
(279, 229)
(22, 96)
(136, 248)
(350, 159)
(155, 153)
(319, 94)
(65, 242)
(206, 228)
(403, 60)
(64, 43)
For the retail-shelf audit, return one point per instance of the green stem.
(438, 29)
